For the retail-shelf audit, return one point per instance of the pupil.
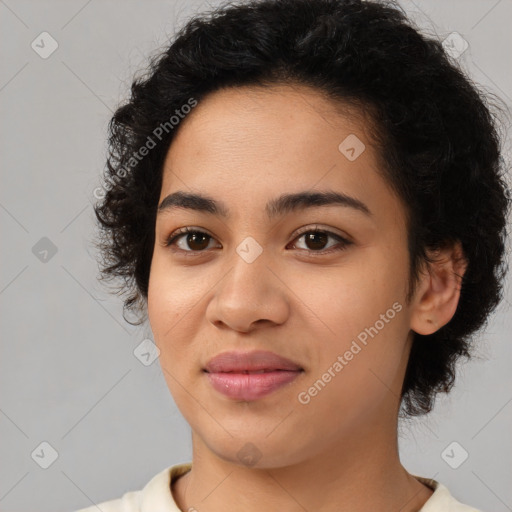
(192, 238)
(311, 238)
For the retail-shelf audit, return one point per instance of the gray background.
(68, 374)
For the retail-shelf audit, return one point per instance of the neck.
(361, 471)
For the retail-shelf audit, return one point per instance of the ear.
(438, 290)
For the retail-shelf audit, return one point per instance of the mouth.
(251, 385)
(257, 361)
(250, 372)
(251, 375)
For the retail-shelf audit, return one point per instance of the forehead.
(295, 108)
(255, 143)
(278, 126)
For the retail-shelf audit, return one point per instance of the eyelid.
(345, 240)
(318, 227)
(183, 231)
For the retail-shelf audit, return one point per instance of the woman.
(305, 199)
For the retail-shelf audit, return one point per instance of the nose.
(249, 295)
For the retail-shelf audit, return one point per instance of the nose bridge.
(250, 291)
(250, 276)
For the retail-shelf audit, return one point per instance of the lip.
(253, 361)
(229, 373)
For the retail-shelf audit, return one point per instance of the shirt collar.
(156, 496)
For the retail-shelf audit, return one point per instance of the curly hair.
(438, 144)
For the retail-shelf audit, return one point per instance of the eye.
(315, 240)
(198, 240)
(195, 238)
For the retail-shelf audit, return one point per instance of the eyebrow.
(282, 205)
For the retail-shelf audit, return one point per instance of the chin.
(257, 451)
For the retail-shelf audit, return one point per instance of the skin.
(245, 146)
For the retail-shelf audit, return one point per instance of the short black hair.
(436, 136)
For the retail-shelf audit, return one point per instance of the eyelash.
(173, 237)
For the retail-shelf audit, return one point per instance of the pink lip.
(250, 386)
(229, 374)
(249, 361)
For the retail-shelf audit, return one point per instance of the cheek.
(168, 302)
(176, 310)
(363, 314)
(349, 299)
(170, 312)
(171, 291)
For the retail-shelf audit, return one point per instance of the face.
(259, 278)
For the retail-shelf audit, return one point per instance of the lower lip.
(250, 386)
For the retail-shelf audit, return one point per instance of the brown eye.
(190, 240)
(196, 241)
(315, 241)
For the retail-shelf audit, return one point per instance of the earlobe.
(438, 290)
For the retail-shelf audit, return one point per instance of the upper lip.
(249, 361)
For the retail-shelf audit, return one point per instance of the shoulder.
(129, 502)
(441, 499)
(156, 495)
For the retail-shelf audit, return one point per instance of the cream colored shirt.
(156, 496)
